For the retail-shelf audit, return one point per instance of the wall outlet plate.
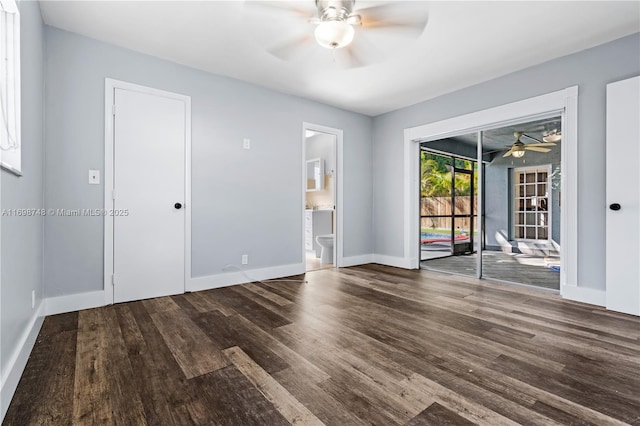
(94, 177)
(245, 259)
(246, 143)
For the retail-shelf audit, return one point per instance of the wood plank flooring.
(353, 346)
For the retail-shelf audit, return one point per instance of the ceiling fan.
(341, 27)
(552, 136)
(519, 148)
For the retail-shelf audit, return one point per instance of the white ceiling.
(464, 43)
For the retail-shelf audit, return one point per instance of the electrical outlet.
(94, 177)
(246, 143)
(245, 259)
(33, 299)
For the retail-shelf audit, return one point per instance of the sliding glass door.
(448, 221)
(520, 168)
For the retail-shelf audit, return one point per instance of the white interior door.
(623, 196)
(149, 196)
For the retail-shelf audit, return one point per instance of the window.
(10, 127)
(532, 216)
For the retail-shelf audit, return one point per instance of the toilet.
(326, 242)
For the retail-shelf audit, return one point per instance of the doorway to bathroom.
(320, 183)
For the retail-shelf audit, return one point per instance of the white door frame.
(337, 196)
(562, 102)
(109, 102)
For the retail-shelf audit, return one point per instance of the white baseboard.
(363, 259)
(398, 262)
(18, 360)
(74, 302)
(245, 276)
(591, 296)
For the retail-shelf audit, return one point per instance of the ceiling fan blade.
(556, 137)
(291, 48)
(531, 137)
(544, 144)
(508, 153)
(407, 18)
(536, 149)
(494, 151)
(413, 29)
(278, 7)
(348, 57)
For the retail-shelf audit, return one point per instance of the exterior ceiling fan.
(342, 27)
(519, 148)
(552, 136)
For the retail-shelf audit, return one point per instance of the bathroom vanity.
(316, 222)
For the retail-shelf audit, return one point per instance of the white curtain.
(10, 126)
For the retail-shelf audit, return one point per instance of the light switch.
(94, 177)
(246, 143)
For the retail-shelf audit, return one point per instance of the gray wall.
(499, 192)
(244, 201)
(22, 236)
(591, 69)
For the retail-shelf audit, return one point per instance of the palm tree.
(435, 179)
(435, 183)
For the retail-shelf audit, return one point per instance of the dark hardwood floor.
(354, 346)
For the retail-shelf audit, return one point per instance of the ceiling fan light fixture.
(517, 149)
(518, 152)
(334, 34)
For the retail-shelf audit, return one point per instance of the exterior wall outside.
(499, 193)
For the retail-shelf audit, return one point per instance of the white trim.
(562, 102)
(398, 262)
(10, 122)
(18, 360)
(548, 105)
(591, 296)
(187, 191)
(569, 191)
(411, 203)
(338, 195)
(109, 101)
(110, 86)
(2, 404)
(362, 259)
(74, 302)
(244, 276)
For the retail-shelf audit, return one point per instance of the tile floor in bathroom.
(314, 264)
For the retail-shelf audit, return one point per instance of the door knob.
(178, 206)
(615, 207)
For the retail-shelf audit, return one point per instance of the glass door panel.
(448, 225)
(464, 260)
(463, 198)
(435, 237)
